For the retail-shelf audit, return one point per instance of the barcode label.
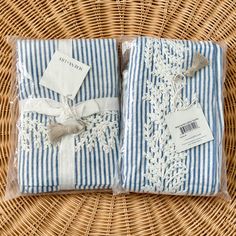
(189, 127)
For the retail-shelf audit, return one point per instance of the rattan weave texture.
(105, 214)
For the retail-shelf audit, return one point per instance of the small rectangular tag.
(189, 128)
(64, 75)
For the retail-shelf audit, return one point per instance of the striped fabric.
(202, 164)
(38, 160)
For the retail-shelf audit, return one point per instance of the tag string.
(178, 77)
(199, 62)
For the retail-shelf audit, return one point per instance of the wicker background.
(104, 214)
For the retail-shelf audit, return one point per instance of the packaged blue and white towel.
(83, 156)
(166, 82)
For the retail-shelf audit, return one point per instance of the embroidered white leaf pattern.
(101, 128)
(166, 169)
(33, 132)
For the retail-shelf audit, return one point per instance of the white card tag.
(189, 128)
(64, 75)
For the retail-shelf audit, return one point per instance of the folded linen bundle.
(160, 78)
(84, 160)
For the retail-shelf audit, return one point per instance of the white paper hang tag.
(64, 75)
(189, 128)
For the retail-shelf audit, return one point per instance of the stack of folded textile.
(157, 83)
(78, 161)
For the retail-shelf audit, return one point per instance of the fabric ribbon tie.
(58, 130)
(69, 119)
(73, 123)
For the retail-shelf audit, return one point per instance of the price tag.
(189, 128)
(64, 75)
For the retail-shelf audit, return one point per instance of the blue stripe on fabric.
(45, 61)
(28, 70)
(115, 71)
(54, 46)
(185, 93)
(52, 157)
(199, 148)
(142, 144)
(91, 81)
(47, 165)
(81, 58)
(110, 71)
(100, 164)
(194, 161)
(24, 68)
(190, 151)
(32, 161)
(85, 170)
(89, 155)
(98, 171)
(196, 149)
(203, 147)
(101, 68)
(76, 165)
(21, 77)
(87, 80)
(136, 121)
(96, 70)
(96, 155)
(212, 162)
(81, 169)
(32, 61)
(104, 68)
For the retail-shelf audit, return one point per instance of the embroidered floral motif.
(165, 57)
(33, 131)
(166, 169)
(101, 128)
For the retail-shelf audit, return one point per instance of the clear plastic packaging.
(84, 154)
(89, 159)
(161, 76)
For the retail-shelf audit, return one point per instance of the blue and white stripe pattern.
(203, 163)
(38, 160)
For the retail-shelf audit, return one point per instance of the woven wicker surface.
(104, 214)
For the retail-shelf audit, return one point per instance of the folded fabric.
(80, 161)
(156, 84)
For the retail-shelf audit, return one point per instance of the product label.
(64, 75)
(189, 128)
